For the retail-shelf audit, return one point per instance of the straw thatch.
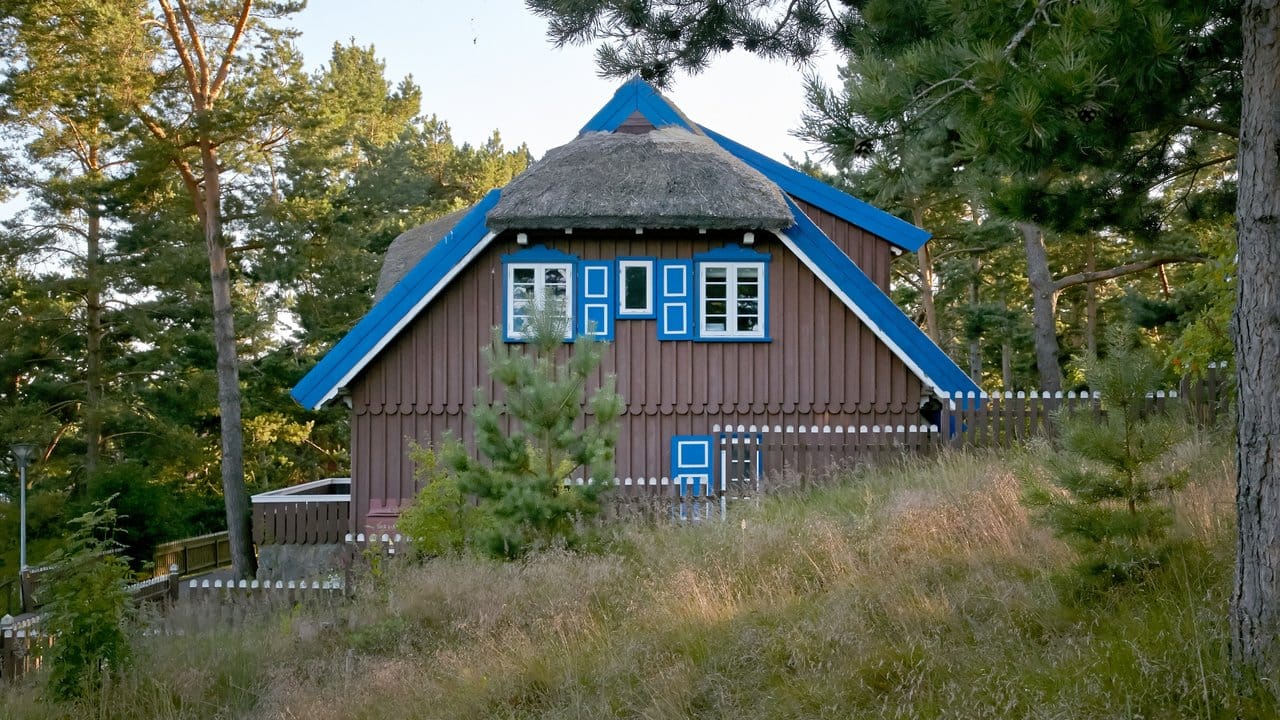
(668, 178)
(410, 247)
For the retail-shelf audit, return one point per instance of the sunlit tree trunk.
(1255, 601)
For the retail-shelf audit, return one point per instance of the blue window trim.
(653, 288)
(732, 254)
(705, 470)
(538, 255)
(595, 302)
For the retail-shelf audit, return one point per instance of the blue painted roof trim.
(637, 95)
(936, 369)
(733, 253)
(538, 254)
(409, 295)
(838, 203)
(396, 308)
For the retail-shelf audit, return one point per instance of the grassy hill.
(918, 591)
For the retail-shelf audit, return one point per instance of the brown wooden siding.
(870, 252)
(822, 367)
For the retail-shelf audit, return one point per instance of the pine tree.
(536, 436)
(1113, 470)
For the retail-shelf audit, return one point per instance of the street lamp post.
(23, 453)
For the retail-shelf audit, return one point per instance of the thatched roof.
(410, 247)
(668, 178)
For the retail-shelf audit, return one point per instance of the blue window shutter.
(675, 300)
(596, 298)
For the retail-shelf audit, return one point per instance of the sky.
(487, 64)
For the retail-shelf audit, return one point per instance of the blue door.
(692, 464)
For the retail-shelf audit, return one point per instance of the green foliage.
(537, 436)
(1115, 472)
(441, 520)
(88, 607)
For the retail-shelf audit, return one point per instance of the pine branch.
(1067, 281)
(197, 44)
(236, 34)
(180, 47)
(1210, 125)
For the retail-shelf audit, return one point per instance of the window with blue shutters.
(732, 295)
(596, 300)
(535, 278)
(675, 300)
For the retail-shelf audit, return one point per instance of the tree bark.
(925, 259)
(235, 496)
(975, 343)
(93, 340)
(1091, 303)
(1006, 365)
(1255, 600)
(1043, 298)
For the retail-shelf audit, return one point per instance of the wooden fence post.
(7, 640)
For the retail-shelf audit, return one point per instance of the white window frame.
(623, 310)
(539, 294)
(731, 299)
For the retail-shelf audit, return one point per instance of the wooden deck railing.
(314, 513)
(194, 555)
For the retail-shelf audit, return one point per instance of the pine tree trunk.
(235, 496)
(975, 343)
(1255, 601)
(1006, 365)
(1043, 297)
(93, 341)
(1091, 304)
(925, 258)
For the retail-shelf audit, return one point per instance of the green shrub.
(440, 520)
(88, 607)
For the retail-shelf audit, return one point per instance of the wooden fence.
(193, 555)
(752, 460)
(23, 639)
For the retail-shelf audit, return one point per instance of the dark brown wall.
(868, 251)
(822, 367)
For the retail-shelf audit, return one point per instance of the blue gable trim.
(638, 95)
(395, 309)
(815, 192)
(875, 308)
(381, 324)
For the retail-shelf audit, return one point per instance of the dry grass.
(918, 591)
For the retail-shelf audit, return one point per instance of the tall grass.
(921, 590)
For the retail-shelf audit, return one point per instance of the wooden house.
(737, 295)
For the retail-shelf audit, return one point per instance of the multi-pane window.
(731, 299)
(534, 285)
(635, 278)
